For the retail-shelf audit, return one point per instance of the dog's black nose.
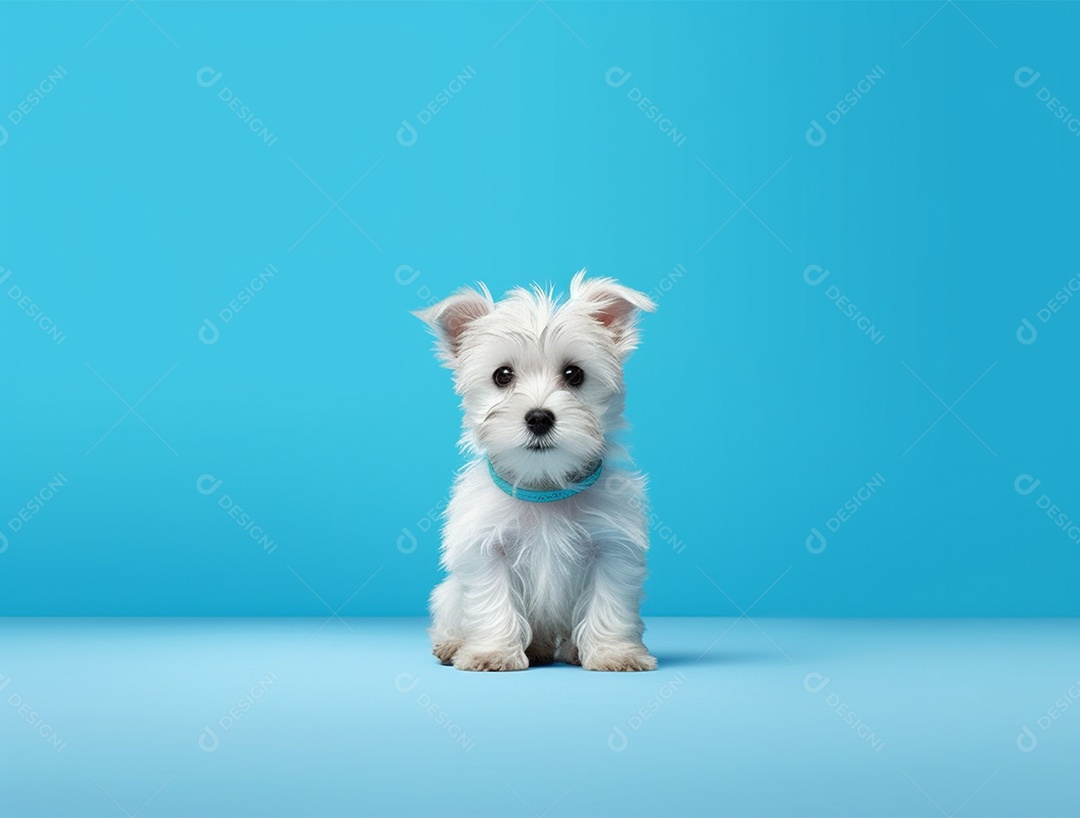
(539, 421)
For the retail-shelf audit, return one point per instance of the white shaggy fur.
(532, 583)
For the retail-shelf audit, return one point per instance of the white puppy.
(545, 534)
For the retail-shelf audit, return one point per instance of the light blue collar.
(534, 496)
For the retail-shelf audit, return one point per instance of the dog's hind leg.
(541, 650)
(568, 651)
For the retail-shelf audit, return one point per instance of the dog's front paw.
(444, 651)
(620, 661)
(471, 659)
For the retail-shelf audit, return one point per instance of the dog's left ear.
(613, 305)
(451, 317)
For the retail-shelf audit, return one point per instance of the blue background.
(134, 205)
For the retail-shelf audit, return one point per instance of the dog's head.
(540, 378)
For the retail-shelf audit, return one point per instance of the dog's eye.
(573, 375)
(503, 375)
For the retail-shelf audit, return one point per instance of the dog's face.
(541, 380)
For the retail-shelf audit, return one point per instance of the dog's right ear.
(450, 317)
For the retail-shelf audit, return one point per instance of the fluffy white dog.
(545, 534)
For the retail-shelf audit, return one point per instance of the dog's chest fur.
(548, 548)
(549, 556)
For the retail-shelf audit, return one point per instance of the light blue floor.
(353, 717)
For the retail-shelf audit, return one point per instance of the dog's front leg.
(494, 631)
(609, 627)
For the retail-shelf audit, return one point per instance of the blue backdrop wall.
(858, 396)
